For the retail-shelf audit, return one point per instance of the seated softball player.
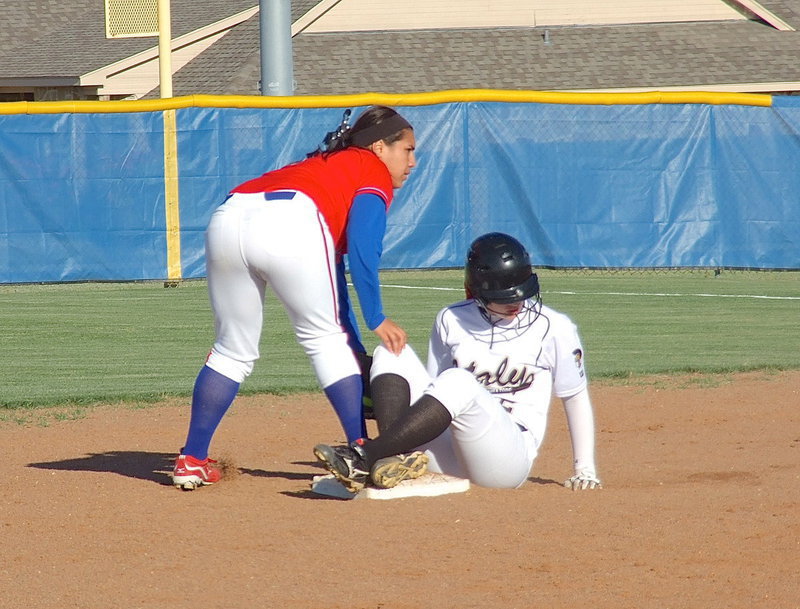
(479, 411)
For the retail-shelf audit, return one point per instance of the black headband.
(382, 130)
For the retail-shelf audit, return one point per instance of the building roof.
(67, 39)
(757, 51)
(748, 55)
(685, 55)
(51, 38)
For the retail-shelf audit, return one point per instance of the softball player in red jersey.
(289, 229)
(479, 410)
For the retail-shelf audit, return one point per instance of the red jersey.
(332, 181)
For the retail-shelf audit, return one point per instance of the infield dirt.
(701, 509)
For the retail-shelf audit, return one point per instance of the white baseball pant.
(252, 242)
(483, 442)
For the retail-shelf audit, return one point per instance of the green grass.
(668, 323)
(139, 342)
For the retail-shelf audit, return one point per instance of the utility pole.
(277, 71)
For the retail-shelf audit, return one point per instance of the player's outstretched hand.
(392, 336)
(583, 482)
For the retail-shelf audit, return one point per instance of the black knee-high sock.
(391, 397)
(421, 423)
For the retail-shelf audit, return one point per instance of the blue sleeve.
(347, 317)
(366, 226)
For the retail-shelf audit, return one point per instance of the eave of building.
(750, 6)
(40, 81)
(142, 68)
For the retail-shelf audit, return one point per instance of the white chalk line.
(643, 294)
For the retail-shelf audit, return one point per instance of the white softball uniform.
(284, 243)
(497, 377)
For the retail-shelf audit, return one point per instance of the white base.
(329, 486)
(427, 485)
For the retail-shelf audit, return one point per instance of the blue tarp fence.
(639, 185)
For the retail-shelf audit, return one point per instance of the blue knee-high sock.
(345, 396)
(213, 395)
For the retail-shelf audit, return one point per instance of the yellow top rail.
(387, 99)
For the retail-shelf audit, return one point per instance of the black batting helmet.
(498, 269)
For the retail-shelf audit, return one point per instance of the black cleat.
(347, 463)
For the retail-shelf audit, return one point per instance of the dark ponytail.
(375, 123)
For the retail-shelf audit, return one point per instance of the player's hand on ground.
(392, 336)
(583, 481)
